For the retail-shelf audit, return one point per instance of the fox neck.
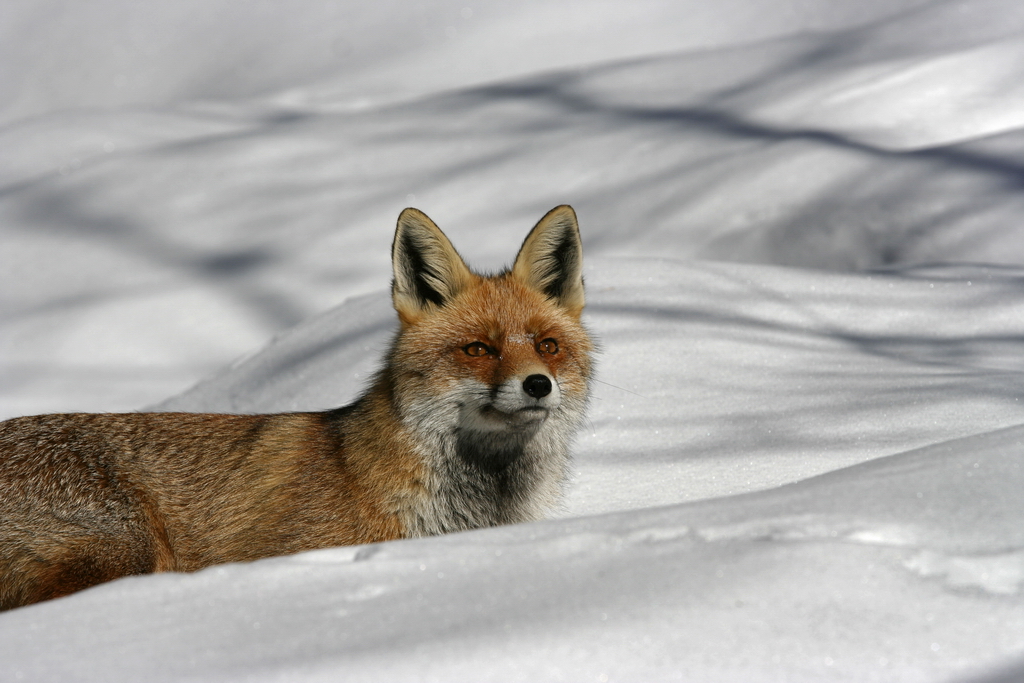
(474, 479)
(487, 480)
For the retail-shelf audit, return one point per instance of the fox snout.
(522, 401)
(516, 404)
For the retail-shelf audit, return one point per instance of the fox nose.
(537, 386)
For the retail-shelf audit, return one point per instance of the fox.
(468, 424)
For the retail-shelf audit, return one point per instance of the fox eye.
(477, 349)
(548, 346)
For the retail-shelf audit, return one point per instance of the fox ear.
(551, 259)
(428, 271)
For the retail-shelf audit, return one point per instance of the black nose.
(537, 386)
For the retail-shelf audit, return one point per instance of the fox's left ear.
(551, 259)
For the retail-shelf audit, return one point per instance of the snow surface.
(805, 265)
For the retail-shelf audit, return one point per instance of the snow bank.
(905, 568)
(726, 377)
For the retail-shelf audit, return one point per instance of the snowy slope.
(906, 568)
(804, 263)
(728, 377)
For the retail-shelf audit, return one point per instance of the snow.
(804, 264)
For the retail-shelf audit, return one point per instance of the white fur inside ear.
(551, 259)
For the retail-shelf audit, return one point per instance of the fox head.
(496, 366)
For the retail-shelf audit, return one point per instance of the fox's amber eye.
(477, 349)
(548, 346)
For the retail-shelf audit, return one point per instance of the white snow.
(805, 264)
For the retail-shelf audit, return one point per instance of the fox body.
(468, 424)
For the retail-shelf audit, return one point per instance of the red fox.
(468, 424)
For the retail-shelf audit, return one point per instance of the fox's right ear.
(428, 271)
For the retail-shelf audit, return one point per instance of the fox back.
(468, 424)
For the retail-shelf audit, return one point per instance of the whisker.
(613, 386)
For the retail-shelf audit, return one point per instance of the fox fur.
(468, 424)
